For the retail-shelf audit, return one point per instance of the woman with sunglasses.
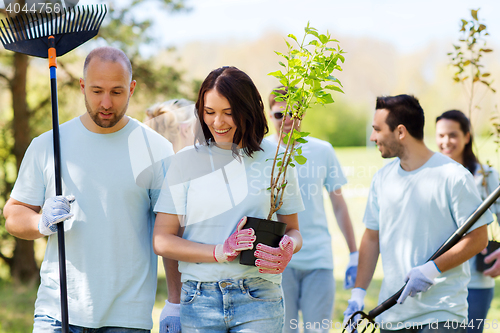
(202, 210)
(454, 140)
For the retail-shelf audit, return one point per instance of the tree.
(121, 29)
(467, 58)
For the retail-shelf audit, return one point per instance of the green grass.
(17, 302)
(16, 307)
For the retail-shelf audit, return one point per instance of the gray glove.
(419, 279)
(170, 319)
(54, 210)
(355, 304)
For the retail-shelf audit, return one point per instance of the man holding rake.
(108, 194)
(415, 202)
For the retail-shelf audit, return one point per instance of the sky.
(408, 24)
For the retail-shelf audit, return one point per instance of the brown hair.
(247, 108)
(470, 160)
(403, 110)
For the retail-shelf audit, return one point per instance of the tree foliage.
(307, 75)
(467, 58)
(29, 113)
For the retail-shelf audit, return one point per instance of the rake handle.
(58, 180)
(448, 244)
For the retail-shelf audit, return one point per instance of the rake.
(49, 35)
(368, 320)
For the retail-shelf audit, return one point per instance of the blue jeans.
(479, 303)
(244, 305)
(441, 327)
(312, 292)
(45, 324)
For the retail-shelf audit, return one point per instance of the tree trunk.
(23, 266)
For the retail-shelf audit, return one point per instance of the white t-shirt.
(477, 279)
(415, 213)
(322, 170)
(214, 190)
(111, 266)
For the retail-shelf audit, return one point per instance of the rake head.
(28, 33)
(360, 322)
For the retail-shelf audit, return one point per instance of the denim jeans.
(441, 327)
(479, 303)
(46, 324)
(244, 305)
(312, 292)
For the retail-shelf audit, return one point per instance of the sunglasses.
(279, 115)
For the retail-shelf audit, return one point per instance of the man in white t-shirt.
(415, 203)
(308, 282)
(112, 170)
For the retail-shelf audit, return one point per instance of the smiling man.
(415, 203)
(106, 205)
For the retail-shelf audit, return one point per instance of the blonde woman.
(174, 119)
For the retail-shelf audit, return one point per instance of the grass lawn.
(17, 302)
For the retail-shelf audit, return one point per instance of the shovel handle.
(448, 244)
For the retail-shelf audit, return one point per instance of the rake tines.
(363, 324)
(70, 27)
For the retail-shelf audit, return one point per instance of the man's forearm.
(21, 220)
(470, 245)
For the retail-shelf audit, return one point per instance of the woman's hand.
(240, 240)
(273, 260)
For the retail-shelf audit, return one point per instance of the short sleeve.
(465, 199)
(371, 217)
(335, 178)
(30, 186)
(292, 200)
(173, 195)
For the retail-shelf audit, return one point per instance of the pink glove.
(240, 240)
(273, 260)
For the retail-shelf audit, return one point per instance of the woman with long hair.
(454, 139)
(211, 188)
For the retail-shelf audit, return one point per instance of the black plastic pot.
(481, 266)
(267, 232)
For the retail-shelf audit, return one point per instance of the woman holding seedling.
(454, 140)
(202, 210)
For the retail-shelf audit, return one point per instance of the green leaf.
(292, 37)
(285, 139)
(276, 74)
(324, 39)
(325, 99)
(300, 159)
(301, 140)
(474, 14)
(332, 87)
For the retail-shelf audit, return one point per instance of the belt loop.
(198, 286)
(242, 286)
